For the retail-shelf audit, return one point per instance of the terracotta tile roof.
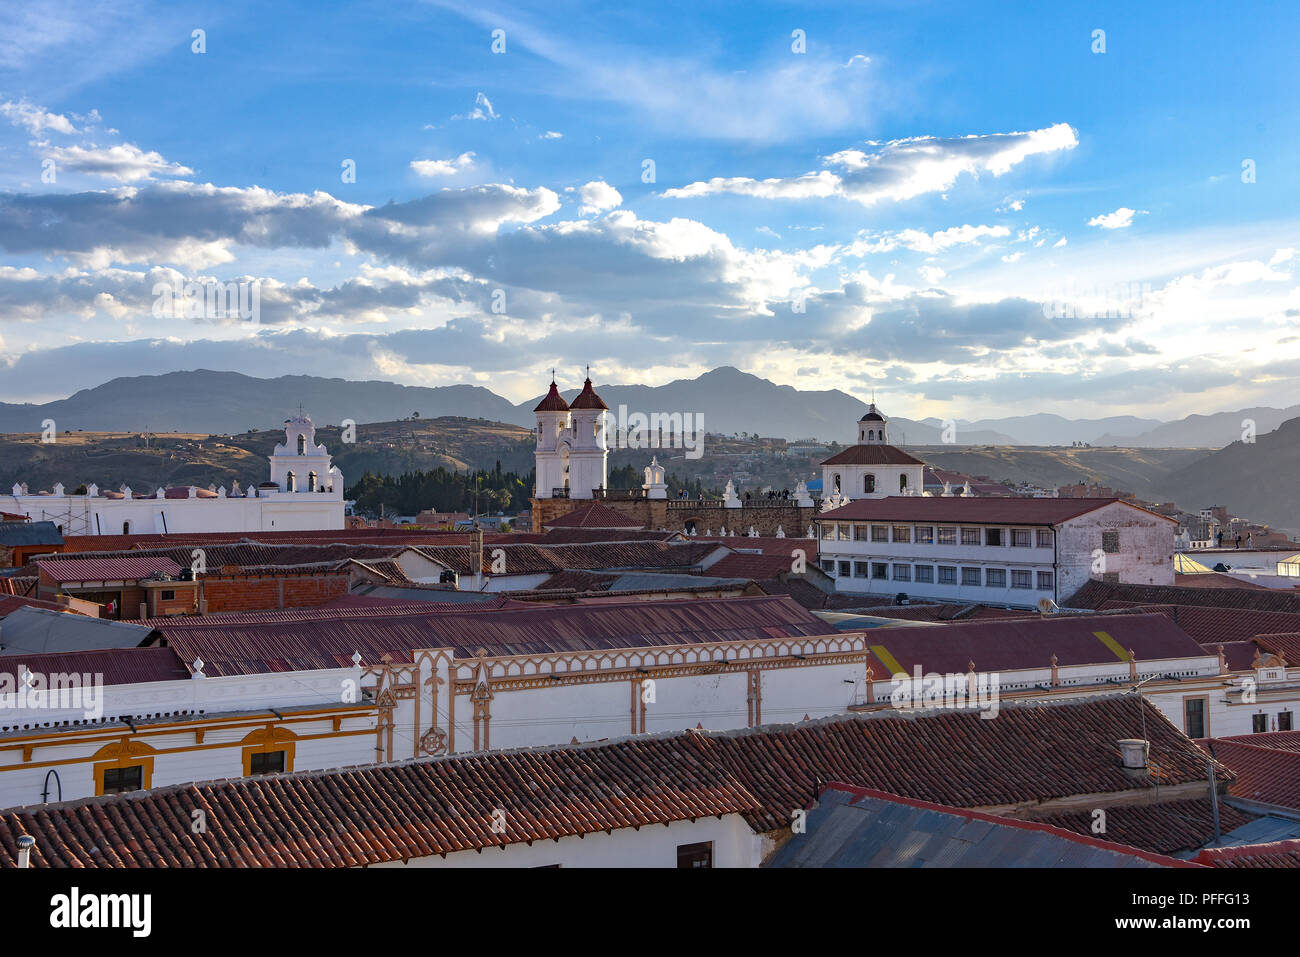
(1003, 511)
(575, 536)
(553, 402)
(386, 568)
(587, 399)
(1264, 774)
(1095, 593)
(1033, 751)
(116, 665)
(594, 515)
(872, 455)
(1165, 828)
(1014, 644)
(105, 569)
(1278, 854)
(756, 567)
(1214, 580)
(1277, 740)
(768, 544)
(391, 812)
(1286, 643)
(309, 639)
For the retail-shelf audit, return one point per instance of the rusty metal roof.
(105, 569)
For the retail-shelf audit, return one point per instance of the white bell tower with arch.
(299, 464)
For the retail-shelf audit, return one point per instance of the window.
(1110, 542)
(992, 536)
(828, 531)
(879, 570)
(925, 534)
(1284, 721)
(947, 575)
(1044, 581)
(695, 855)
(996, 578)
(902, 573)
(947, 536)
(126, 528)
(925, 573)
(868, 483)
(861, 570)
(828, 566)
(1258, 723)
(1021, 538)
(291, 482)
(121, 780)
(902, 483)
(902, 533)
(844, 570)
(168, 595)
(844, 533)
(880, 533)
(267, 762)
(311, 481)
(302, 444)
(1044, 538)
(835, 481)
(970, 536)
(861, 533)
(970, 576)
(1194, 717)
(1110, 576)
(1022, 578)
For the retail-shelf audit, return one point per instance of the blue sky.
(970, 209)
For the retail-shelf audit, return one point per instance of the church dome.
(872, 415)
(587, 399)
(554, 402)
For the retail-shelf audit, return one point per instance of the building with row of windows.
(1009, 551)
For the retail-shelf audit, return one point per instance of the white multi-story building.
(1004, 551)
(305, 492)
(572, 452)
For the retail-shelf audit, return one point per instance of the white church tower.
(572, 453)
(872, 468)
(299, 464)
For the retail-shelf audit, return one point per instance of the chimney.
(476, 554)
(1133, 753)
(25, 844)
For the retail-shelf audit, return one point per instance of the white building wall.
(734, 845)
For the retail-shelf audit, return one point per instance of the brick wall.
(263, 592)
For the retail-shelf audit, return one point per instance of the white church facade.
(304, 492)
(572, 449)
(872, 468)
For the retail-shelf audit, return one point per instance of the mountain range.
(728, 400)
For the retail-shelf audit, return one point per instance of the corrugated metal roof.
(857, 827)
(326, 638)
(21, 534)
(105, 569)
(116, 666)
(40, 631)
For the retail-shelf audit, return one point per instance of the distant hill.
(203, 401)
(734, 401)
(1204, 431)
(1044, 428)
(1256, 480)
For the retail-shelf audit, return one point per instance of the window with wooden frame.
(123, 766)
(275, 744)
(695, 855)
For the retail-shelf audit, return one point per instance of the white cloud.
(1281, 256)
(1011, 257)
(551, 135)
(598, 196)
(1122, 218)
(897, 170)
(931, 274)
(929, 243)
(35, 119)
(1059, 243)
(124, 163)
(449, 167)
